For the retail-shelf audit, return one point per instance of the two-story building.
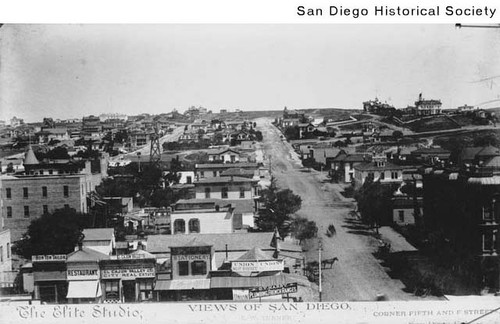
(379, 169)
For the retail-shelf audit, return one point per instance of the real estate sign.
(273, 290)
(257, 266)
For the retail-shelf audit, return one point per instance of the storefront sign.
(49, 258)
(272, 265)
(241, 294)
(128, 272)
(191, 257)
(273, 290)
(82, 274)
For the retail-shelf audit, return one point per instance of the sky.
(70, 71)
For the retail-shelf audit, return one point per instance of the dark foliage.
(55, 233)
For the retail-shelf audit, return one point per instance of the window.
(44, 192)
(394, 175)
(8, 193)
(401, 216)
(8, 250)
(207, 192)
(9, 212)
(51, 171)
(1, 253)
(183, 268)
(487, 215)
(45, 209)
(111, 289)
(202, 174)
(66, 191)
(488, 242)
(242, 192)
(382, 175)
(189, 180)
(26, 211)
(198, 268)
(233, 158)
(25, 192)
(179, 226)
(214, 173)
(194, 225)
(145, 285)
(66, 206)
(224, 192)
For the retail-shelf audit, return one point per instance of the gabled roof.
(98, 234)
(255, 254)
(86, 255)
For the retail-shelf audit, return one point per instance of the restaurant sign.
(82, 274)
(273, 290)
(129, 272)
(272, 265)
(49, 258)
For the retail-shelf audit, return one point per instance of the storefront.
(83, 276)
(188, 275)
(49, 278)
(128, 278)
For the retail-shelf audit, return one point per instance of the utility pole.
(320, 248)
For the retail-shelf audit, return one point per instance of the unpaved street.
(358, 275)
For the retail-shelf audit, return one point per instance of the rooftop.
(234, 241)
(98, 234)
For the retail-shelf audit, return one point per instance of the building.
(427, 107)
(49, 278)
(83, 275)
(464, 207)
(379, 169)
(215, 169)
(403, 210)
(128, 278)
(101, 240)
(217, 266)
(6, 274)
(344, 163)
(207, 216)
(226, 187)
(224, 156)
(43, 188)
(377, 107)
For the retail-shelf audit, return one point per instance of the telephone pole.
(320, 248)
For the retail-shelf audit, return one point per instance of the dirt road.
(358, 275)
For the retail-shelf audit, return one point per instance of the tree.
(397, 135)
(292, 133)
(55, 233)
(374, 202)
(10, 168)
(303, 229)
(279, 207)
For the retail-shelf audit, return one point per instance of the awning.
(187, 284)
(84, 289)
(248, 282)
